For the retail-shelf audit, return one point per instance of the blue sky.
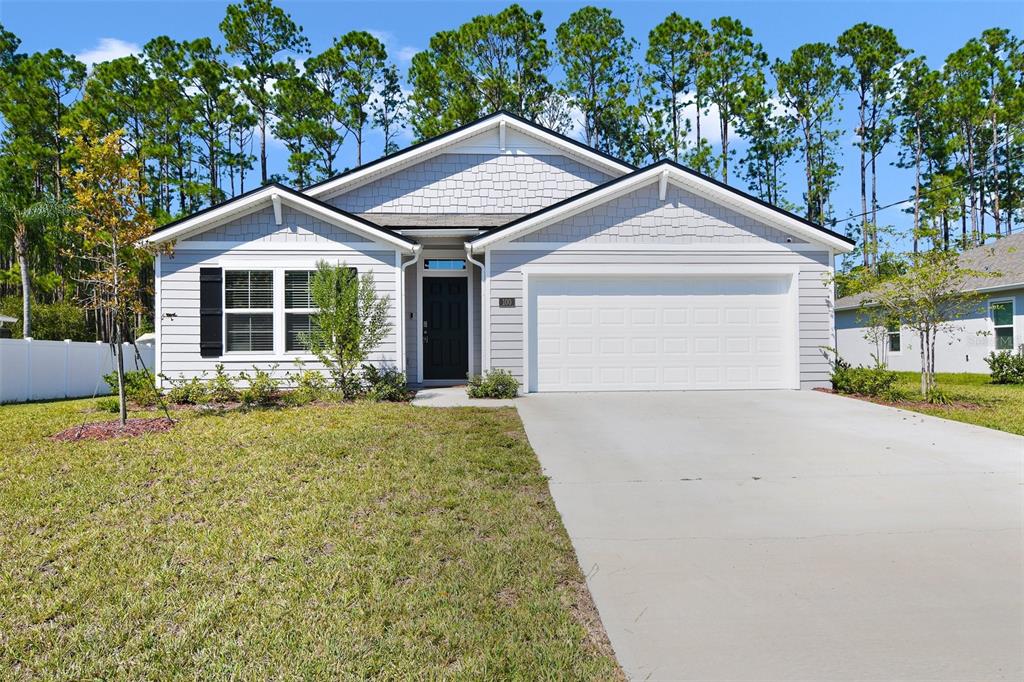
(95, 29)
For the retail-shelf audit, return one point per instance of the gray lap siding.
(179, 305)
(814, 294)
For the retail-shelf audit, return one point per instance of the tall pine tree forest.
(196, 116)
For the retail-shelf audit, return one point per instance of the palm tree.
(22, 220)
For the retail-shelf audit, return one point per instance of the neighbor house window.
(249, 310)
(298, 309)
(1002, 323)
(892, 335)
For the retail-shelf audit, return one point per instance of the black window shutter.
(211, 329)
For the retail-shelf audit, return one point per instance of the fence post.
(28, 368)
(67, 367)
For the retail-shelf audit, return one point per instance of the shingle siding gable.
(641, 216)
(296, 226)
(474, 183)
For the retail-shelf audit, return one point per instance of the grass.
(976, 400)
(354, 541)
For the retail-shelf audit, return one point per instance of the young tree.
(259, 32)
(735, 58)
(873, 52)
(351, 320)
(597, 59)
(388, 110)
(491, 62)
(928, 295)
(111, 219)
(808, 84)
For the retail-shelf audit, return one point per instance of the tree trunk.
(263, 146)
(917, 186)
(21, 248)
(122, 408)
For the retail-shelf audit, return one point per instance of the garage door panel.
(665, 333)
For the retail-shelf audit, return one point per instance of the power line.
(977, 173)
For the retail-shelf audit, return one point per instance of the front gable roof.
(501, 124)
(667, 171)
(272, 194)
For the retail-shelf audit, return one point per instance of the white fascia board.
(441, 232)
(231, 211)
(682, 180)
(428, 149)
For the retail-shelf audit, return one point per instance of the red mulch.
(105, 430)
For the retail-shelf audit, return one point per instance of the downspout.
(417, 249)
(484, 311)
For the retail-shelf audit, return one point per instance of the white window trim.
(888, 333)
(247, 311)
(286, 310)
(992, 326)
(421, 272)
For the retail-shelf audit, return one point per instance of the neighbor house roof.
(1003, 258)
(679, 175)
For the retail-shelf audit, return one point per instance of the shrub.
(262, 388)
(221, 388)
(138, 386)
(936, 396)
(876, 382)
(108, 404)
(1006, 366)
(187, 391)
(497, 383)
(385, 384)
(310, 385)
(54, 321)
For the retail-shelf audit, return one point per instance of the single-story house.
(502, 244)
(996, 324)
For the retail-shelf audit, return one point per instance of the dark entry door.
(445, 328)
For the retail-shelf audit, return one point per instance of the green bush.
(221, 389)
(876, 382)
(261, 389)
(385, 384)
(1007, 367)
(108, 404)
(53, 321)
(497, 383)
(187, 391)
(310, 386)
(937, 396)
(138, 386)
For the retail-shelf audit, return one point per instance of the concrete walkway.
(790, 535)
(454, 396)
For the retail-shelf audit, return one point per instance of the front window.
(249, 310)
(298, 304)
(1002, 323)
(892, 334)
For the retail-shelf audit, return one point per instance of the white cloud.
(106, 50)
(710, 128)
(402, 54)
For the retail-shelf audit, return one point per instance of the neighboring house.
(504, 245)
(996, 324)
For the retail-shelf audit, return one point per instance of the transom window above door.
(444, 264)
(1001, 313)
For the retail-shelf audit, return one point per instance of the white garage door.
(661, 333)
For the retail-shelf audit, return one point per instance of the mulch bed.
(106, 430)
(954, 405)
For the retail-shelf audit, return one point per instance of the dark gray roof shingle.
(1003, 257)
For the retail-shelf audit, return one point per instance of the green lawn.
(997, 406)
(354, 541)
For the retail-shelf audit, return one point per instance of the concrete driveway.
(790, 535)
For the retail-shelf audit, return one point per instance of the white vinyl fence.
(44, 370)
